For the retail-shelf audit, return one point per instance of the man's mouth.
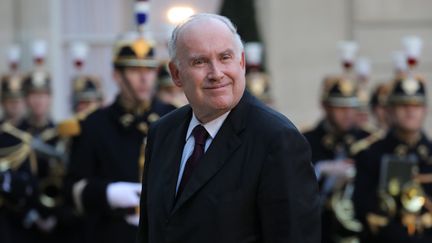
(217, 86)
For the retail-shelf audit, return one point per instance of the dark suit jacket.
(255, 182)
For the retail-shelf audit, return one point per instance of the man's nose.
(215, 71)
(143, 77)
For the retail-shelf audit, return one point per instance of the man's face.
(342, 118)
(14, 108)
(210, 68)
(39, 103)
(381, 115)
(409, 118)
(141, 82)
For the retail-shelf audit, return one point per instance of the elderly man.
(225, 168)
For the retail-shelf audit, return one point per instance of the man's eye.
(226, 57)
(198, 62)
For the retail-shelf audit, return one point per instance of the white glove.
(46, 225)
(132, 219)
(123, 194)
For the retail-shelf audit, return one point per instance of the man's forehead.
(204, 24)
(205, 28)
(203, 38)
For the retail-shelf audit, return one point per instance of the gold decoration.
(141, 48)
(328, 141)
(346, 87)
(387, 204)
(426, 220)
(376, 221)
(413, 197)
(15, 84)
(344, 211)
(69, 128)
(79, 84)
(409, 220)
(423, 151)
(401, 150)
(143, 127)
(153, 117)
(394, 187)
(257, 83)
(126, 119)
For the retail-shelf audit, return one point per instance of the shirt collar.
(212, 127)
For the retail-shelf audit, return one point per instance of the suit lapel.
(223, 145)
(173, 159)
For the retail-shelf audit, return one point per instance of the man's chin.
(144, 98)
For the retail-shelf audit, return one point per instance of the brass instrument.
(342, 206)
(51, 187)
(412, 197)
(398, 184)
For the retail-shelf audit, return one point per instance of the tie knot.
(200, 134)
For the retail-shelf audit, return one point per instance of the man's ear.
(175, 75)
(243, 61)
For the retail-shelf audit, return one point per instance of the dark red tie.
(200, 134)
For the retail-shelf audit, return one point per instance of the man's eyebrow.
(195, 57)
(228, 51)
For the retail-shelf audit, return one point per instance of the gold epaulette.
(369, 128)
(366, 142)
(10, 129)
(71, 127)
(12, 157)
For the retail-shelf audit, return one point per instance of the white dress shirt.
(212, 129)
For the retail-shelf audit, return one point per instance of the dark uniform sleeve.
(288, 198)
(366, 185)
(82, 168)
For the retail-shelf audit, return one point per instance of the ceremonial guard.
(86, 89)
(394, 174)
(37, 88)
(11, 90)
(51, 219)
(331, 142)
(107, 157)
(257, 80)
(18, 165)
(167, 91)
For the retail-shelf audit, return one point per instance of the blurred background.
(299, 39)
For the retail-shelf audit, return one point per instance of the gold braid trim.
(16, 158)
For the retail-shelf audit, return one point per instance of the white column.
(60, 105)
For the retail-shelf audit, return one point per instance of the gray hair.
(172, 44)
